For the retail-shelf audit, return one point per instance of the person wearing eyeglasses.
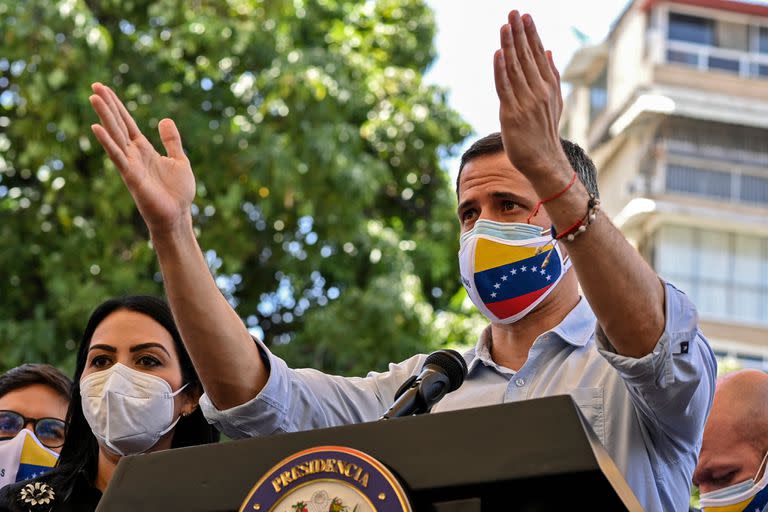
(35, 397)
(33, 405)
(135, 391)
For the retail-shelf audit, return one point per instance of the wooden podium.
(533, 455)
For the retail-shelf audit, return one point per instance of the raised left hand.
(528, 86)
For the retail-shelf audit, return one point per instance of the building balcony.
(720, 60)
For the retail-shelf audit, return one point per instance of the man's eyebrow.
(508, 195)
(496, 195)
(465, 203)
(718, 470)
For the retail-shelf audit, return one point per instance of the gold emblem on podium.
(328, 479)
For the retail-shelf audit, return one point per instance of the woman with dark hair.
(135, 391)
(34, 397)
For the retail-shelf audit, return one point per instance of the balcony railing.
(711, 58)
(729, 186)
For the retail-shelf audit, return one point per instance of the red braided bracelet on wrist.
(551, 198)
(580, 226)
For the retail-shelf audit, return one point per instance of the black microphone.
(443, 372)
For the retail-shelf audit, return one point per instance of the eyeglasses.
(50, 431)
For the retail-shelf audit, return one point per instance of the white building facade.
(673, 108)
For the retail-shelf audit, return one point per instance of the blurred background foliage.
(322, 206)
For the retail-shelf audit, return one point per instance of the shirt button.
(520, 383)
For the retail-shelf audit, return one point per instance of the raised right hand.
(162, 187)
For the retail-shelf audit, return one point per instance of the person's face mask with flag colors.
(509, 268)
(508, 259)
(748, 496)
(24, 457)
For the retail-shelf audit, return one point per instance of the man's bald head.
(736, 434)
(741, 399)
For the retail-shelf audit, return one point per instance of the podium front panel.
(528, 455)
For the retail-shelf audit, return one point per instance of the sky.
(468, 34)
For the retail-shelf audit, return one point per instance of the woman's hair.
(31, 374)
(81, 451)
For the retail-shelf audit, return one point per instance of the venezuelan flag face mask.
(509, 268)
(748, 496)
(24, 457)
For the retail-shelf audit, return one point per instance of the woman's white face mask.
(128, 410)
(748, 496)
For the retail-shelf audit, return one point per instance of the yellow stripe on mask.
(736, 507)
(32, 453)
(490, 254)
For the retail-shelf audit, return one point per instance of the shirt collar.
(482, 351)
(576, 329)
(578, 326)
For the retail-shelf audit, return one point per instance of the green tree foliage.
(322, 206)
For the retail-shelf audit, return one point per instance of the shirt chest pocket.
(590, 402)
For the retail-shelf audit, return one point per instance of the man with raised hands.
(629, 351)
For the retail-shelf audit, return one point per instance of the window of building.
(759, 70)
(710, 141)
(762, 40)
(732, 36)
(722, 185)
(723, 64)
(715, 44)
(681, 57)
(736, 360)
(720, 161)
(725, 274)
(691, 29)
(754, 189)
(699, 182)
(598, 95)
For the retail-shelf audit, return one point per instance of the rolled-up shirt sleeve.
(672, 387)
(303, 399)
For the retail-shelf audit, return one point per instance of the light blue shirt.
(648, 412)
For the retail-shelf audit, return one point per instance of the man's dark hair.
(32, 374)
(581, 163)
